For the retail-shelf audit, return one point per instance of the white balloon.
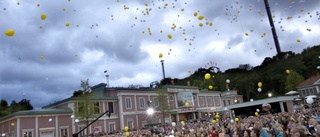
(258, 110)
(309, 100)
(231, 120)
(259, 89)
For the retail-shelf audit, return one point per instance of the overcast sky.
(125, 38)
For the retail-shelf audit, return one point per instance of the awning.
(292, 92)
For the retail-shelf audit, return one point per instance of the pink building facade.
(127, 107)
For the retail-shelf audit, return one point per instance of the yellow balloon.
(207, 76)
(186, 104)
(67, 24)
(246, 34)
(298, 40)
(195, 14)
(217, 116)
(288, 71)
(9, 32)
(12, 124)
(260, 84)
(126, 128)
(40, 27)
(210, 87)
(236, 119)
(213, 121)
(43, 16)
(169, 36)
(200, 17)
(210, 24)
(256, 113)
(160, 55)
(41, 57)
(127, 133)
(200, 24)
(38, 5)
(182, 122)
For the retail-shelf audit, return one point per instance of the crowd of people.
(301, 123)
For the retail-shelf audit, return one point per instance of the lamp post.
(269, 95)
(227, 84)
(162, 64)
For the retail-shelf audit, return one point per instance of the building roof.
(75, 98)
(179, 86)
(310, 81)
(37, 112)
(231, 96)
(259, 102)
(208, 91)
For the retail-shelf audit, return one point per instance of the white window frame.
(130, 126)
(113, 127)
(27, 130)
(142, 102)
(201, 101)
(210, 101)
(63, 127)
(128, 103)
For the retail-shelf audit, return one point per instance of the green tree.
(87, 109)
(162, 104)
(293, 80)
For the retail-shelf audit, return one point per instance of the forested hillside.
(273, 73)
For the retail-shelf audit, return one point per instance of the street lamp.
(269, 95)
(227, 85)
(150, 111)
(235, 101)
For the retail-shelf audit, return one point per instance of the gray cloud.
(110, 38)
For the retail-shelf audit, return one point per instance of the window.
(110, 107)
(201, 101)
(80, 107)
(142, 102)
(210, 101)
(303, 92)
(27, 134)
(224, 103)
(194, 98)
(96, 108)
(171, 97)
(156, 102)
(112, 127)
(144, 123)
(64, 132)
(217, 101)
(80, 128)
(128, 103)
(130, 123)
(229, 102)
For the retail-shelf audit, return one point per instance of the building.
(127, 107)
(310, 86)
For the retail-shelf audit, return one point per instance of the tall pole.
(163, 69)
(274, 33)
(107, 78)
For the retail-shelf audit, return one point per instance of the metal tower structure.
(274, 33)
